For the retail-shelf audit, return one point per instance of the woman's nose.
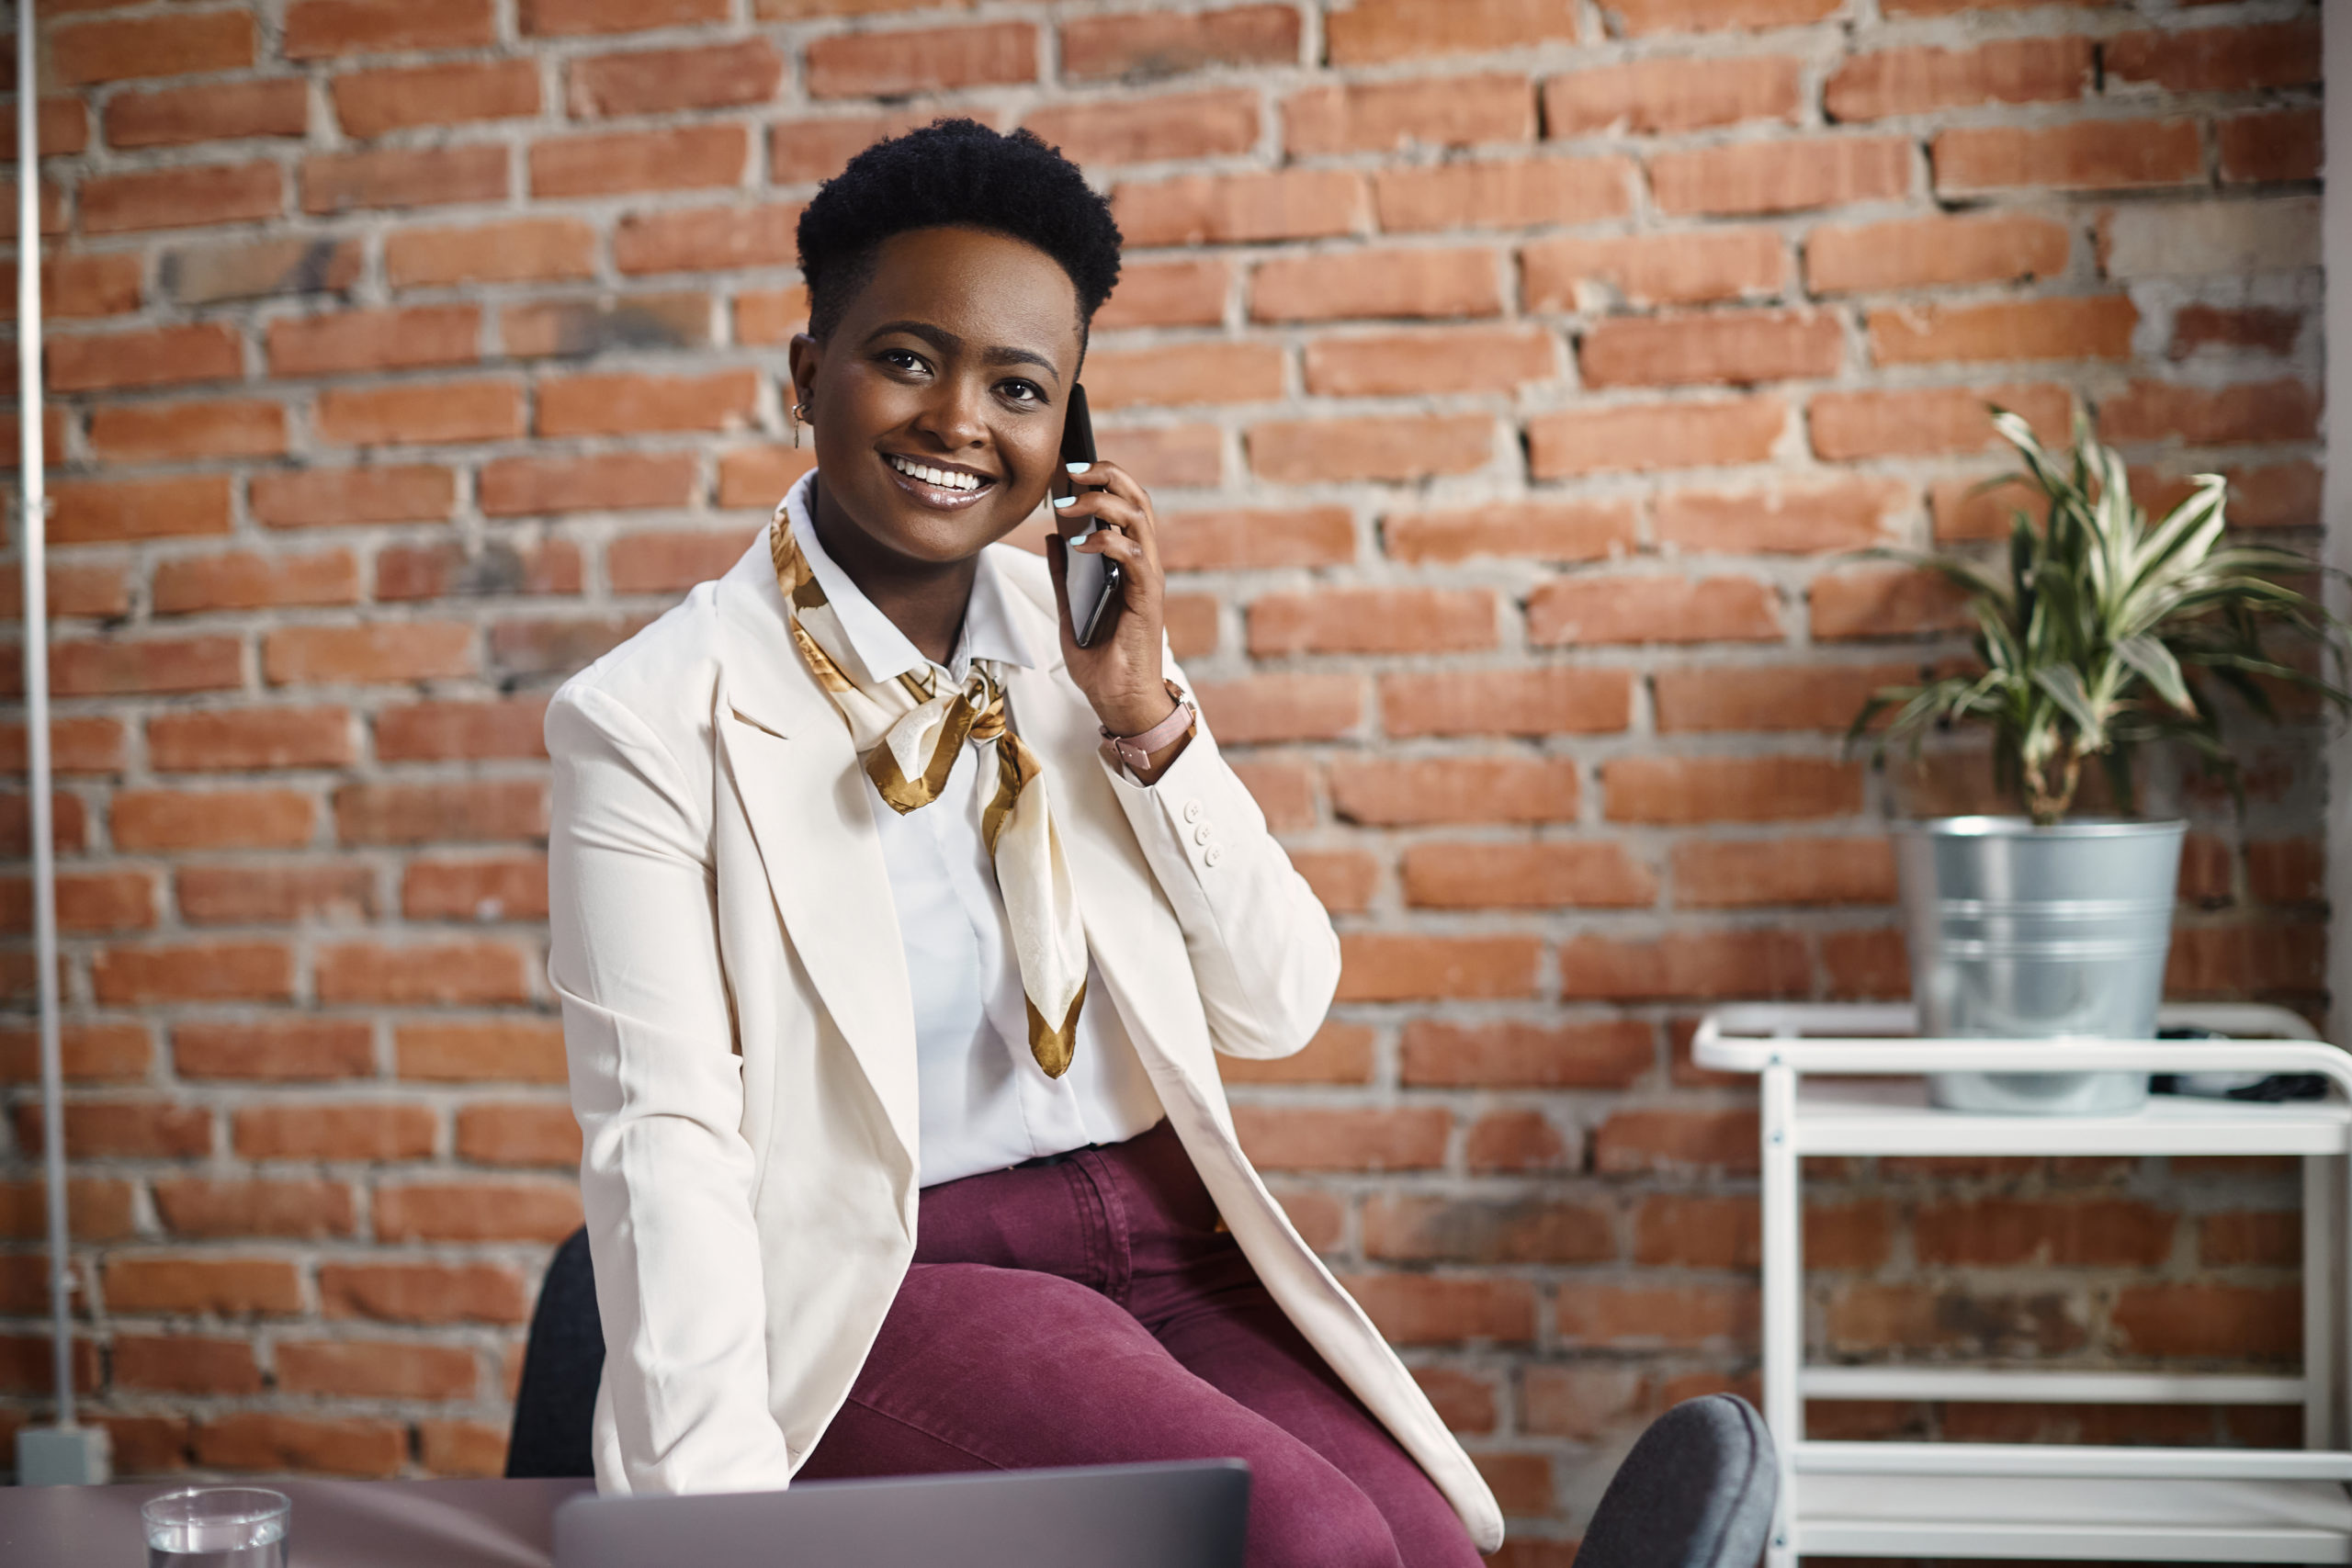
(953, 417)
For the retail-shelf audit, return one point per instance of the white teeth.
(945, 479)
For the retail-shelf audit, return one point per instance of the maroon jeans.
(1087, 1310)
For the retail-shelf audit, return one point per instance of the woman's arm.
(1261, 945)
(665, 1174)
(1262, 948)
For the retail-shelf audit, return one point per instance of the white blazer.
(742, 1041)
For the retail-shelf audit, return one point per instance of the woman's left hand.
(1121, 673)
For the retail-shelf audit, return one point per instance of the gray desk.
(337, 1524)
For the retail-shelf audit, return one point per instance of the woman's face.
(955, 358)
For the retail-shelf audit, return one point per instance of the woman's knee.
(1313, 1516)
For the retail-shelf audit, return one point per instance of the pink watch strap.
(1136, 751)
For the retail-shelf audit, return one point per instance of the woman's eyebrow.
(946, 342)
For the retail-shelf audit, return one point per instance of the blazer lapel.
(789, 757)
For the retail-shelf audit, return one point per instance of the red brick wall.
(1512, 374)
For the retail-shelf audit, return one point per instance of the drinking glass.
(218, 1526)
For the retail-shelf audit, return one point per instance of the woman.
(890, 986)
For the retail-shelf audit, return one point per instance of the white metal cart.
(2002, 1500)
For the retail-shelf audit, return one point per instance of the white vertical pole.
(35, 518)
(1784, 1295)
(2323, 1281)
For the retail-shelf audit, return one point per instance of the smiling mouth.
(954, 481)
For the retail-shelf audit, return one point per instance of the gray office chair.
(1697, 1492)
(563, 1360)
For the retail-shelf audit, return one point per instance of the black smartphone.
(1092, 582)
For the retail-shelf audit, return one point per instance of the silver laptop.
(1122, 1515)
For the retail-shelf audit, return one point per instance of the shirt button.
(1201, 834)
(1212, 854)
(1192, 811)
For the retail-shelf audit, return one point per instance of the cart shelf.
(1847, 1080)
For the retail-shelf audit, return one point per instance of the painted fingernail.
(1062, 501)
(1078, 468)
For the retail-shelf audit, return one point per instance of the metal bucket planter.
(2024, 933)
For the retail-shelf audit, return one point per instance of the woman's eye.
(902, 359)
(1021, 392)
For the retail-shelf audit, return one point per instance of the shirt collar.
(990, 630)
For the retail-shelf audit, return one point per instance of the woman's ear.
(804, 355)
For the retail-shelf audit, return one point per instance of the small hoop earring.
(800, 418)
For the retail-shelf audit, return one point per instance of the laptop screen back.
(1191, 1515)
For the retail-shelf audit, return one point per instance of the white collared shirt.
(986, 1104)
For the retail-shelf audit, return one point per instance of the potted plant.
(2106, 633)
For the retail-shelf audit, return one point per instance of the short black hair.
(955, 173)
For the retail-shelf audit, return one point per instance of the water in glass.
(218, 1526)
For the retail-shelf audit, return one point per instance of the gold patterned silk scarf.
(909, 735)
